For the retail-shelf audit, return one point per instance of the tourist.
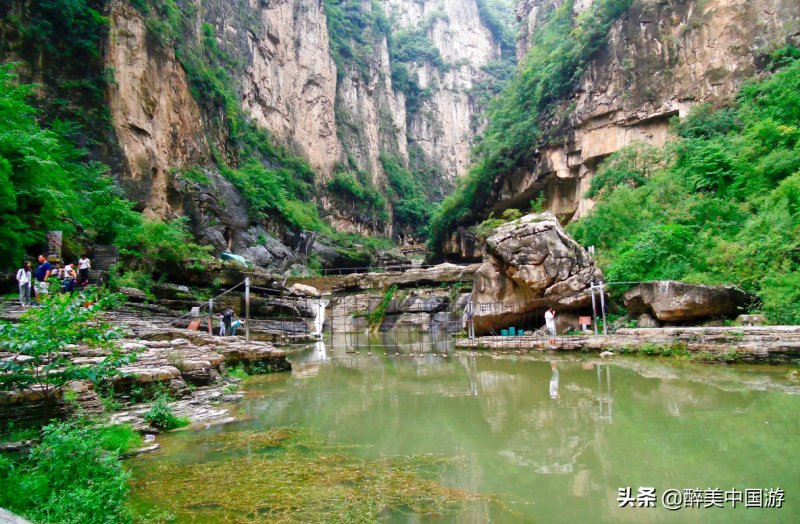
(236, 323)
(84, 265)
(221, 325)
(550, 320)
(227, 317)
(69, 278)
(43, 271)
(24, 283)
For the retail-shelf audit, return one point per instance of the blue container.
(521, 333)
(503, 332)
(512, 332)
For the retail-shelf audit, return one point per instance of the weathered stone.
(646, 320)
(303, 290)
(6, 517)
(532, 264)
(443, 273)
(133, 294)
(671, 301)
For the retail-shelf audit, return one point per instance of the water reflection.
(552, 431)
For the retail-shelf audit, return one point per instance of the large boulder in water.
(671, 301)
(533, 263)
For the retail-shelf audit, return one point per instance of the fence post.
(594, 310)
(603, 307)
(247, 309)
(210, 316)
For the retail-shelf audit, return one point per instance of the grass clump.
(376, 317)
(161, 415)
(74, 475)
(290, 475)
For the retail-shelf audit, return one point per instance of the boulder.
(532, 264)
(133, 294)
(303, 290)
(671, 301)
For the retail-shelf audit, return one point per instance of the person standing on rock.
(84, 265)
(550, 320)
(24, 283)
(43, 271)
(227, 318)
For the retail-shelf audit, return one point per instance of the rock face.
(671, 301)
(532, 264)
(660, 60)
(446, 126)
(287, 83)
(443, 273)
(158, 124)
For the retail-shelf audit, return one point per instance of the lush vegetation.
(61, 42)
(409, 191)
(46, 336)
(720, 204)
(161, 415)
(47, 183)
(353, 32)
(74, 475)
(559, 53)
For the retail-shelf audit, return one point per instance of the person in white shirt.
(24, 283)
(84, 265)
(550, 320)
(69, 278)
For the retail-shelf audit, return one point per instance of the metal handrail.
(385, 269)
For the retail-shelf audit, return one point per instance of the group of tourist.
(47, 273)
(228, 322)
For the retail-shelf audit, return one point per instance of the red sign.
(584, 321)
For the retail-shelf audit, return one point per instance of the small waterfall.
(319, 320)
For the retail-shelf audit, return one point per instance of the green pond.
(548, 437)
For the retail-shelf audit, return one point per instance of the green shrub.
(719, 205)
(238, 372)
(74, 475)
(161, 415)
(162, 240)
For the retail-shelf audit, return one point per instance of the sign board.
(584, 321)
(193, 325)
(54, 239)
(195, 311)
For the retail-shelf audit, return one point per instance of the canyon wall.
(279, 61)
(445, 128)
(661, 59)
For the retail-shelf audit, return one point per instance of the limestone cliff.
(446, 126)
(661, 59)
(278, 59)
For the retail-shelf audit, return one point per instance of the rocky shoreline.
(769, 344)
(192, 366)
